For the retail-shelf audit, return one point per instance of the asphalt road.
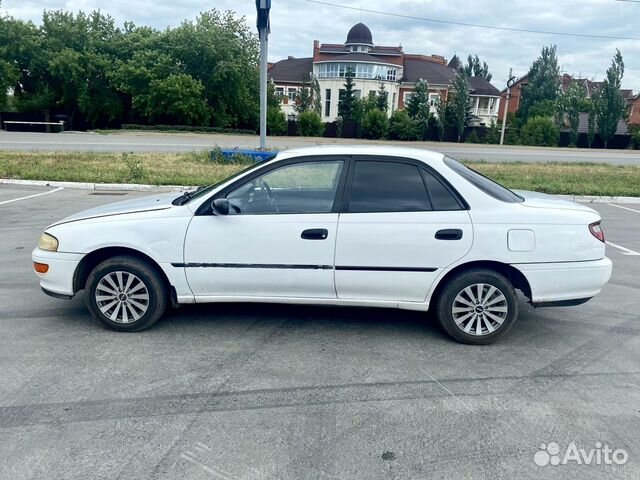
(154, 142)
(280, 392)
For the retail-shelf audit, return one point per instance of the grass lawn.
(195, 168)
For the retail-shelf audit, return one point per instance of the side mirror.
(220, 206)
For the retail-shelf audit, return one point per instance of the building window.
(327, 102)
(393, 102)
(434, 99)
(357, 94)
(292, 93)
(361, 70)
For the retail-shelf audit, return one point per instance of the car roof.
(428, 156)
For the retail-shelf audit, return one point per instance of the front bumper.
(564, 282)
(58, 281)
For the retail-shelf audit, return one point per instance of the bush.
(493, 133)
(310, 124)
(635, 137)
(186, 128)
(540, 131)
(375, 124)
(276, 122)
(402, 127)
(473, 137)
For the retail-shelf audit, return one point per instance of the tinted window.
(441, 198)
(308, 187)
(387, 187)
(483, 183)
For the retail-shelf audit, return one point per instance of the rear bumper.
(58, 281)
(565, 283)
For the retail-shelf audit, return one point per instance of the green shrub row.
(186, 128)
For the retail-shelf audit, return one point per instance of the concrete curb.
(135, 187)
(126, 187)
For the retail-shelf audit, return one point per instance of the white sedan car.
(367, 226)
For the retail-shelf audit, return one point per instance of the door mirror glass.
(220, 206)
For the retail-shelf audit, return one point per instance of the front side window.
(308, 187)
(387, 187)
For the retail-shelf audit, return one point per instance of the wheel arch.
(93, 259)
(512, 274)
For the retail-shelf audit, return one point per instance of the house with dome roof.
(374, 65)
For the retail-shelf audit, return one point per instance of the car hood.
(141, 204)
(543, 200)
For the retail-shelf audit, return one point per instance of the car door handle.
(449, 234)
(315, 234)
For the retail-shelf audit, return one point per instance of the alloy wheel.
(479, 309)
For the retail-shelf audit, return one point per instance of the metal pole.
(506, 108)
(264, 45)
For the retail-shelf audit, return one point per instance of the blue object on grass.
(257, 155)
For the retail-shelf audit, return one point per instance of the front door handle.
(449, 234)
(315, 234)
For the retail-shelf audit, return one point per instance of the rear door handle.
(449, 234)
(315, 234)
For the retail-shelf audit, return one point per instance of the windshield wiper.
(186, 196)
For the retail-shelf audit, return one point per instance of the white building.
(374, 65)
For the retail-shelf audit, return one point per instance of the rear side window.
(483, 183)
(441, 197)
(387, 187)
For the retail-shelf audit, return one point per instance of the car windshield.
(485, 184)
(187, 197)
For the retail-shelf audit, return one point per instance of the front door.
(401, 225)
(278, 239)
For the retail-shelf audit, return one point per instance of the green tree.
(540, 131)
(310, 124)
(460, 103)
(418, 105)
(178, 100)
(570, 104)
(609, 103)
(591, 119)
(492, 136)
(403, 127)
(473, 68)
(276, 119)
(542, 82)
(382, 98)
(375, 124)
(441, 118)
(347, 101)
(309, 96)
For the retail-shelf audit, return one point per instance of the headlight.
(48, 242)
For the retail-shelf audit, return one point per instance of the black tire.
(479, 318)
(141, 273)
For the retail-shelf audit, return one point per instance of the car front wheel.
(125, 294)
(477, 306)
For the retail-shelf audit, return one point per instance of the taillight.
(596, 230)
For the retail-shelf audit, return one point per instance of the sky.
(296, 23)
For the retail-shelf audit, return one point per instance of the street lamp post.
(263, 7)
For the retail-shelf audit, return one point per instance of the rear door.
(401, 224)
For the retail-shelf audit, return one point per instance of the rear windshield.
(485, 184)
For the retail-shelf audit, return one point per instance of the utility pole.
(263, 7)
(506, 105)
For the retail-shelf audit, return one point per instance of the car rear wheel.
(477, 306)
(125, 294)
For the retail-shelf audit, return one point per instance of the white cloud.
(296, 23)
